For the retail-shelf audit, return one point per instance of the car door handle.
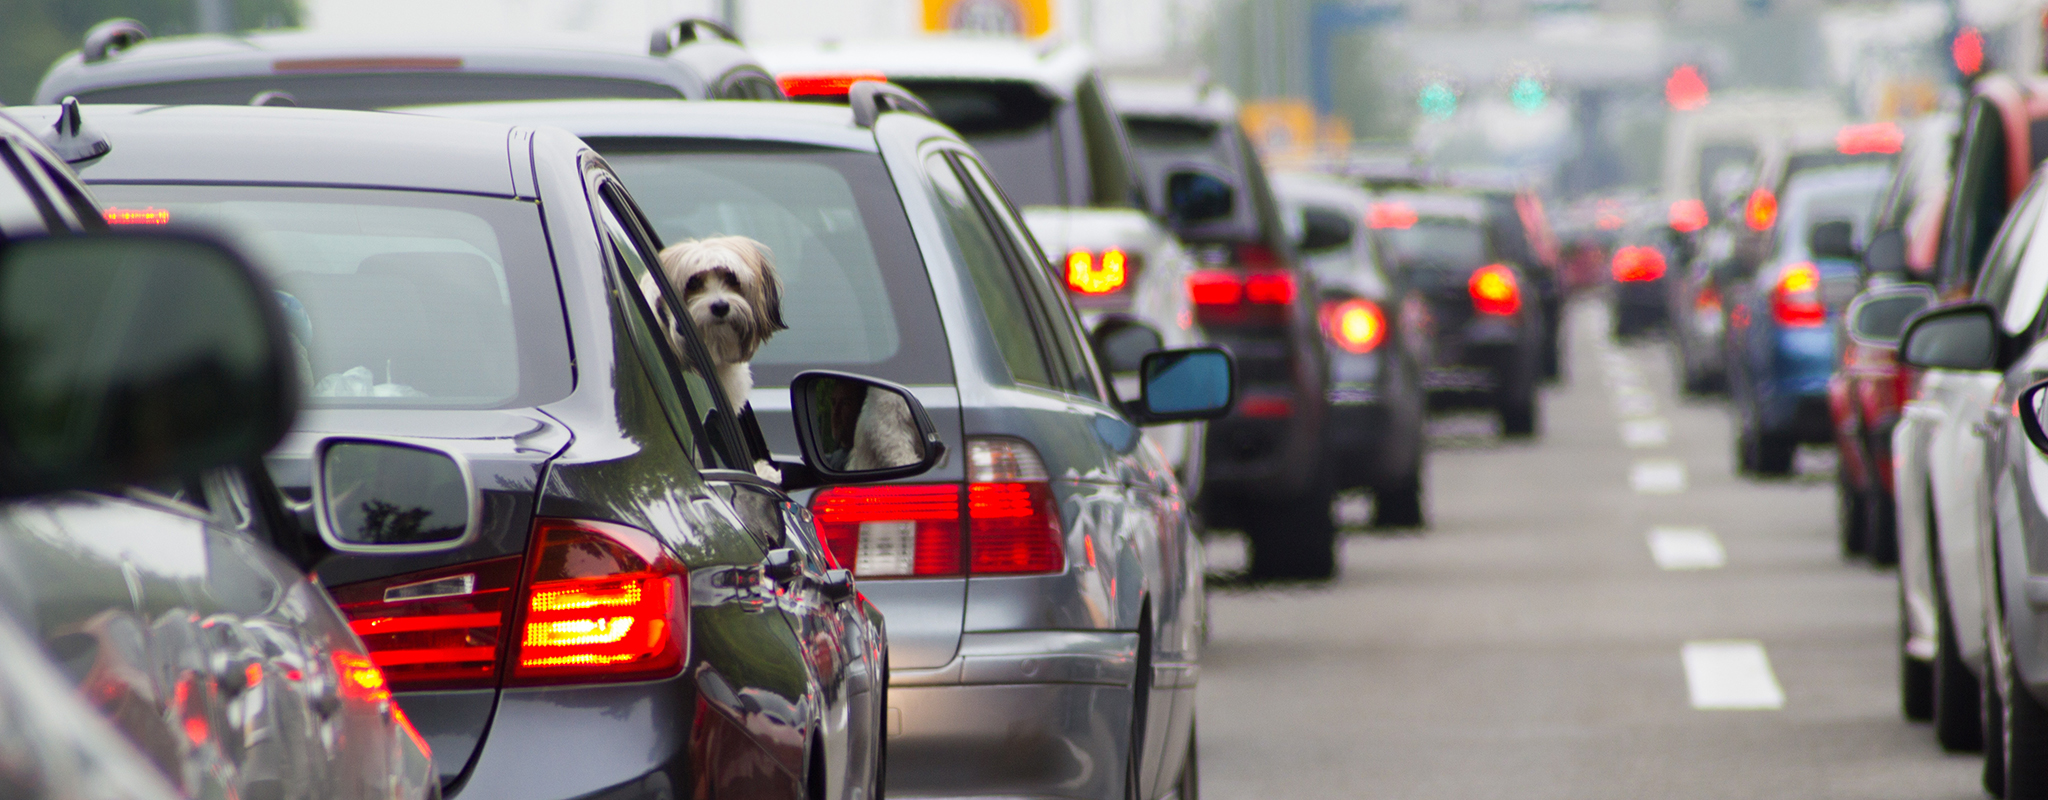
(782, 565)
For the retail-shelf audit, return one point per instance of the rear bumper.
(1039, 714)
(629, 740)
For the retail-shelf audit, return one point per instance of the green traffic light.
(1528, 95)
(1437, 100)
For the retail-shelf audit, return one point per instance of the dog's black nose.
(720, 308)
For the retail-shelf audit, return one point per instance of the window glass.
(2016, 278)
(23, 211)
(1010, 123)
(854, 290)
(1002, 299)
(394, 299)
(1056, 315)
(1435, 244)
(1109, 169)
(61, 185)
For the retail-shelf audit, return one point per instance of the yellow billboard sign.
(1031, 18)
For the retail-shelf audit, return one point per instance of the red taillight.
(1870, 137)
(1494, 290)
(1761, 212)
(439, 629)
(1084, 275)
(1215, 288)
(1391, 216)
(1709, 299)
(1688, 216)
(824, 84)
(891, 530)
(1269, 288)
(1638, 263)
(1795, 301)
(914, 530)
(1357, 325)
(604, 602)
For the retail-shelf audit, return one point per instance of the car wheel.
(1294, 539)
(1774, 452)
(1880, 527)
(1958, 700)
(2026, 734)
(1518, 409)
(1189, 787)
(1398, 506)
(1850, 524)
(1916, 677)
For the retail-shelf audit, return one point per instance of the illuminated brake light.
(1872, 137)
(439, 629)
(1391, 216)
(1795, 301)
(1494, 290)
(1708, 298)
(1761, 212)
(1011, 523)
(824, 84)
(1357, 325)
(1269, 288)
(1084, 276)
(1215, 288)
(137, 216)
(1688, 216)
(1638, 263)
(605, 602)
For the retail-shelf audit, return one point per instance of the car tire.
(1295, 539)
(2025, 750)
(1916, 677)
(1398, 503)
(1881, 527)
(1518, 408)
(1959, 701)
(1774, 453)
(1851, 523)
(1189, 787)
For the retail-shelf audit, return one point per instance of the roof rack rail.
(683, 31)
(870, 98)
(73, 140)
(114, 34)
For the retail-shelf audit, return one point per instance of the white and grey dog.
(732, 294)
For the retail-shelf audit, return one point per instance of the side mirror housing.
(1834, 238)
(135, 356)
(1184, 385)
(1325, 229)
(1878, 317)
(1195, 196)
(856, 429)
(1886, 253)
(1121, 342)
(376, 496)
(1962, 337)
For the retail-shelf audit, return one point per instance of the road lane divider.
(1730, 675)
(1645, 432)
(1686, 548)
(1657, 476)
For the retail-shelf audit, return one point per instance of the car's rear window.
(1435, 244)
(371, 90)
(855, 294)
(1172, 134)
(394, 299)
(1011, 123)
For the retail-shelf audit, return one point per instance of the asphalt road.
(1528, 645)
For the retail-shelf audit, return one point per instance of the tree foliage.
(35, 33)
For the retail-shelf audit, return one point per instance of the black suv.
(1268, 466)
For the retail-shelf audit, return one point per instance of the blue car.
(1781, 324)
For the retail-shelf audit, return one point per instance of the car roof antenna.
(75, 141)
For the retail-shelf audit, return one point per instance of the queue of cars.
(478, 488)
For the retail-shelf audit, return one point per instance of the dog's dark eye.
(694, 284)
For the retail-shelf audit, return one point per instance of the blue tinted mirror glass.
(1187, 381)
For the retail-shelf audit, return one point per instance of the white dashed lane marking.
(1734, 675)
(1657, 476)
(1649, 432)
(1676, 548)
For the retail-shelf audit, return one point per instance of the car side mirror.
(856, 429)
(1962, 337)
(1183, 385)
(2028, 407)
(1834, 238)
(375, 496)
(1325, 229)
(1878, 317)
(1195, 196)
(132, 357)
(1886, 253)
(1121, 343)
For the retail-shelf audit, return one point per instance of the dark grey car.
(1044, 589)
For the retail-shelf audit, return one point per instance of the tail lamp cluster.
(1795, 300)
(1091, 273)
(590, 602)
(1357, 325)
(1261, 292)
(1002, 521)
(1637, 263)
(1495, 290)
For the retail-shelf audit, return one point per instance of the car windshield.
(1435, 243)
(1824, 195)
(393, 299)
(855, 294)
(372, 90)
